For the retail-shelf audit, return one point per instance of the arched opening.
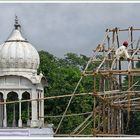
(12, 110)
(26, 110)
(1, 110)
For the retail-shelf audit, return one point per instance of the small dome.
(17, 52)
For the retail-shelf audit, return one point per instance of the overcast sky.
(61, 28)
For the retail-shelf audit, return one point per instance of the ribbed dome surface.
(17, 52)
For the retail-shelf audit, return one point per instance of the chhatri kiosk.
(19, 80)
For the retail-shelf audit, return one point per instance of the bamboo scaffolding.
(79, 126)
(85, 127)
(115, 101)
(45, 98)
(111, 99)
(122, 30)
(129, 50)
(68, 115)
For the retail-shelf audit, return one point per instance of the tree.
(63, 75)
(133, 127)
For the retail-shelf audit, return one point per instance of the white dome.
(18, 53)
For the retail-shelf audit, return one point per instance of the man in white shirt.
(121, 53)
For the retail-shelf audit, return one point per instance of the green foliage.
(24, 116)
(63, 75)
(133, 127)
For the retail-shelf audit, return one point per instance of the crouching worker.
(121, 54)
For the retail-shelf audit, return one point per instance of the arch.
(12, 109)
(26, 95)
(12, 95)
(26, 109)
(44, 81)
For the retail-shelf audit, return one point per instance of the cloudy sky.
(67, 27)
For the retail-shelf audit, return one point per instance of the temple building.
(19, 80)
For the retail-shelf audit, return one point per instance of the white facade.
(19, 62)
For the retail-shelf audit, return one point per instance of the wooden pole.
(129, 102)
(122, 120)
(122, 30)
(118, 44)
(104, 118)
(99, 117)
(112, 117)
(109, 116)
(94, 107)
(131, 29)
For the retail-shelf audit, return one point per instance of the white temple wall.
(19, 61)
(15, 81)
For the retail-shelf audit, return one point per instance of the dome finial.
(17, 25)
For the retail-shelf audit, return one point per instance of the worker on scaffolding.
(121, 53)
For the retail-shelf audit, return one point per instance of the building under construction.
(112, 99)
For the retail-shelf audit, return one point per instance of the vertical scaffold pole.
(118, 44)
(109, 116)
(94, 108)
(131, 38)
(129, 96)
(104, 117)
(99, 114)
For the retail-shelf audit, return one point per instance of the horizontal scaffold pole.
(122, 30)
(46, 98)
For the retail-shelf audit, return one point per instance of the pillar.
(42, 108)
(5, 111)
(41, 122)
(34, 120)
(39, 103)
(20, 120)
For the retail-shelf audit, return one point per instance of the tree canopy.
(62, 75)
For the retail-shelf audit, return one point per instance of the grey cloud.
(60, 28)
